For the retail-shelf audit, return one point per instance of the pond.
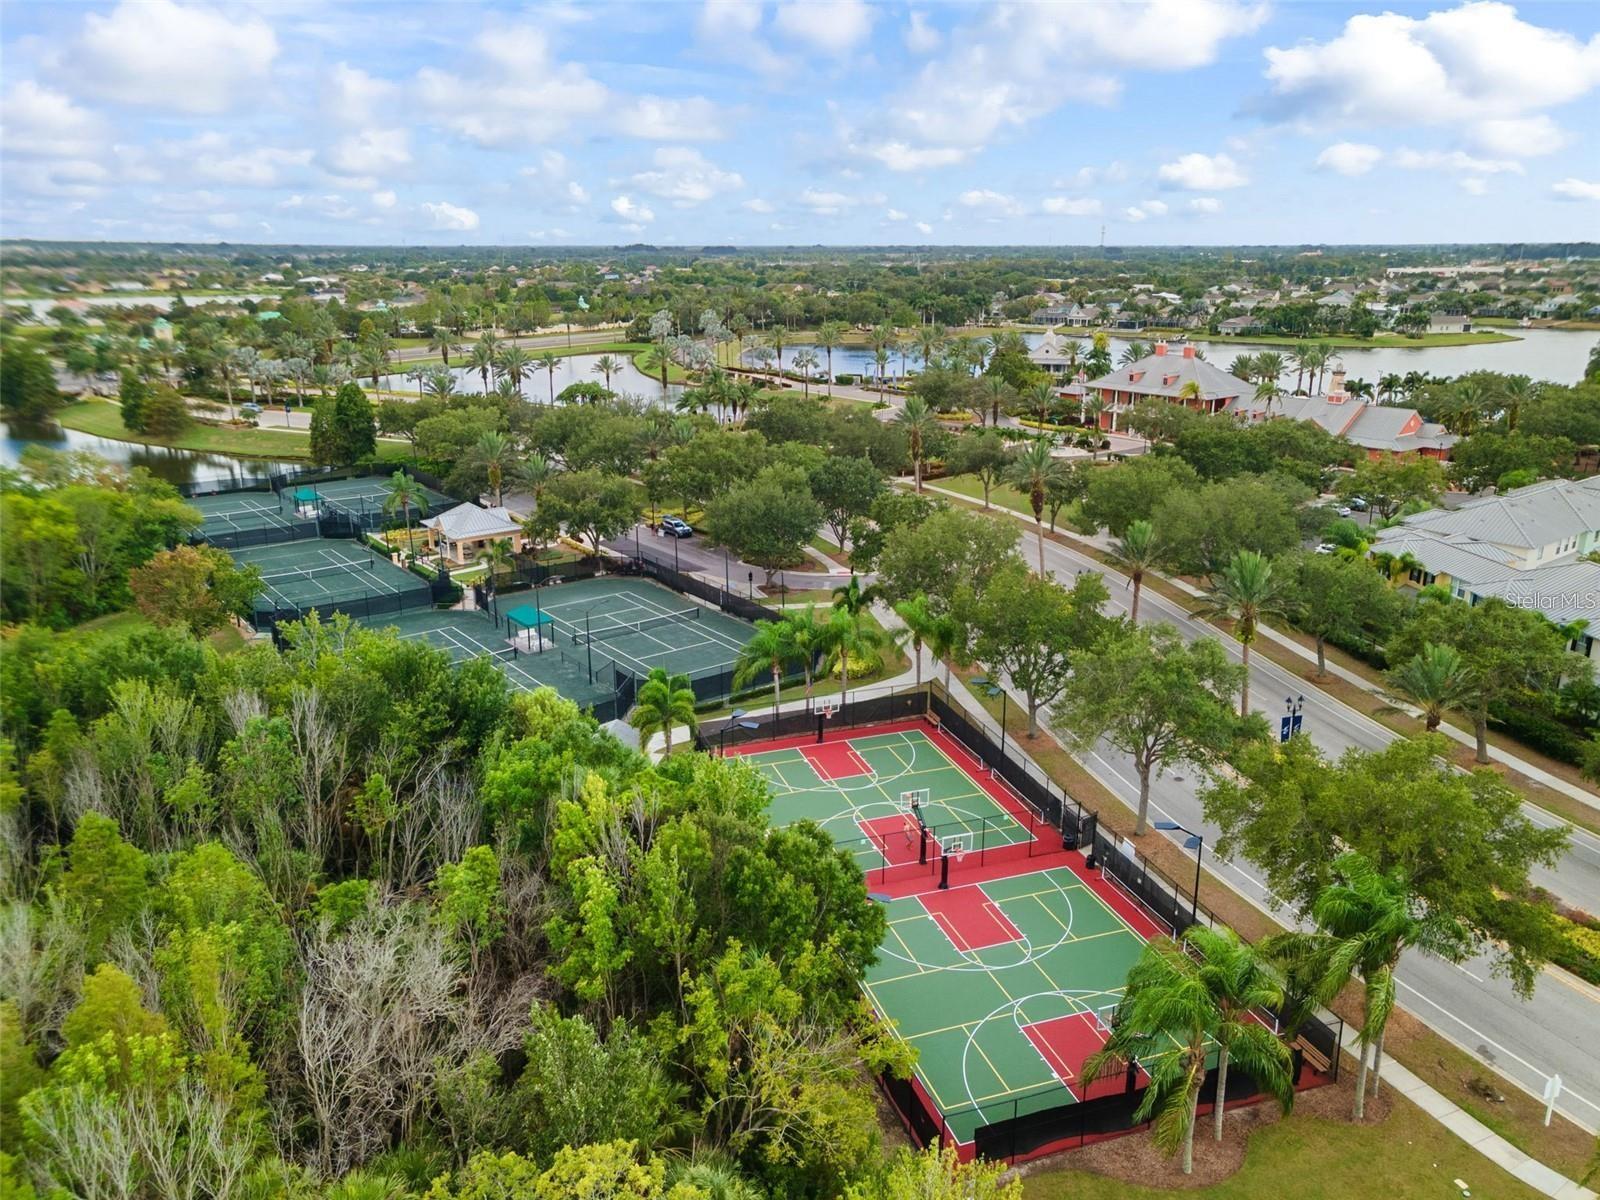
(175, 466)
(574, 368)
(1554, 355)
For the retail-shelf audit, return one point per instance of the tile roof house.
(1163, 375)
(1529, 547)
(1376, 428)
(461, 533)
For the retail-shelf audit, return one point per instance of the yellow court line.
(989, 969)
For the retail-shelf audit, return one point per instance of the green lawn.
(224, 641)
(1382, 341)
(1408, 1157)
(103, 419)
(1000, 496)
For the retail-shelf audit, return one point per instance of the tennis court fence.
(262, 535)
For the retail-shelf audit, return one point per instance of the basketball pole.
(944, 869)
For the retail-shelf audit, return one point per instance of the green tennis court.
(631, 623)
(229, 512)
(364, 495)
(328, 570)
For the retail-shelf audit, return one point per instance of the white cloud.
(353, 97)
(996, 204)
(1204, 205)
(384, 199)
(542, 235)
(1472, 185)
(576, 192)
(731, 29)
(894, 214)
(450, 216)
(920, 36)
(1520, 137)
(1085, 178)
(1577, 189)
(1203, 173)
(825, 203)
(685, 177)
(758, 205)
(661, 119)
(516, 93)
(1071, 206)
(160, 54)
(833, 27)
(552, 165)
(370, 154)
(1349, 158)
(903, 156)
(1452, 160)
(213, 158)
(924, 228)
(39, 121)
(1478, 62)
(632, 212)
(1141, 212)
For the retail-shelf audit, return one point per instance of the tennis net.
(316, 572)
(615, 631)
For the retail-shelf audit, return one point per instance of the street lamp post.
(1197, 843)
(992, 689)
(1290, 724)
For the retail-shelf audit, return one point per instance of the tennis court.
(319, 571)
(472, 633)
(629, 623)
(231, 512)
(1005, 956)
(362, 498)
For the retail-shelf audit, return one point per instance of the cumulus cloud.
(450, 216)
(731, 30)
(1577, 189)
(350, 96)
(758, 205)
(1205, 205)
(833, 27)
(1071, 206)
(213, 158)
(40, 121)
(1520, 137)
(903, 156)
(924, 228)
(660, 119)
(1349, 158)
(920, 36)
(994, 204)
(160, 54)
(1453, 160)
(384, 199)
(516, 93)
(634, 214)
(685, 177)
(370, 154)
(1143, 212)
(1479, 62)
(1202, 173)
(826, 203)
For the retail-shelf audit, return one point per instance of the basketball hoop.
(827, 711)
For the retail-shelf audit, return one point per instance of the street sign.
(1297, 723)
(1552, 1091)
(1285, 727)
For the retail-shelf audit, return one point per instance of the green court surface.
(365, 495)
(326, 571)
(470, 633)
(968, 1010)
(596, 619)
(230, 512)
(857, 790)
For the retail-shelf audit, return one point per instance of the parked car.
(250, 410)
(1359, 503)
(676, 527)
(1344, 510)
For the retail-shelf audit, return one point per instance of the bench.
(1316, 1058)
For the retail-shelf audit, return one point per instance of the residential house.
(1054, 354)
(462, 533)
(1161, 375)
(1236, 325)
(1338, 299)
(1449, 323)
(1378, 429)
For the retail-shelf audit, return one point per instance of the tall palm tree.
(1434, 680)
(1269, 365)
(549, 362)
(1032, 473)
(1389, 386)
(1245, 592)
(829, 337)
(513, 365)
(812, 639)
(853, 600)
(1041, 398)
(805, 361)
(772, 648)
(997, 394)
(499, 558)
(372, 361)
(920, 623)
(880, 360)
(916, 419)
(850, 640)
(1240, 981)
(533, 474)
(441, 342)
(929, 341)
(947, 642)
(607, 365)
(403, 494)
(1268, 391)
(1137, 551)
(1515, 393)
(492, 451)
(1325, 359)
(1367, 919)
(663, 701)
(777, 338)
(440, 383)
(482, 361)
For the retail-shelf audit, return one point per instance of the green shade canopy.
(304, 495)
(529, 617)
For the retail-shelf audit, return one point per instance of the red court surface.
(969, 918)
(1065, 1043)
(835, 760)
(897, 836)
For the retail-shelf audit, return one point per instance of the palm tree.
(1032, 473)
(1388, 386)
(919, 424)
(1246, 593)
(777, 338)
(372, 361)
(1325, 357)
(880, 359)
(997, 394)
(548, 362)
(1516, 391)
(441, 342)
(1434, 680)
(920, 623)
(513, 365)
(805, 361)
(1240, 981)
(1267, 391)
(828, 337)
(606, 365)
(947, 641)
(853, 600)
(929, 341)
(811, 638)
(770, 648)
(404, 494)
(1269, 365)
(533, 474)
(499, 558)
(849, 639)
(1366, 920)
(492, 451)
(1138, 550)
(1041, 398)
(483, 361)
(663, 701)
(440, 383)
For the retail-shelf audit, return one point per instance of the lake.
(160, 301)
(1554, 355)
(175, 466)
(574, 368)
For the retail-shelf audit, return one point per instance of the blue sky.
(831, 121)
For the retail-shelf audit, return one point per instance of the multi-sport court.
(1005, 956)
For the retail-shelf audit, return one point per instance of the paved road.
(1525, 1041)
(693, 555)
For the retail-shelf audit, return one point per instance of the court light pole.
(1197, 843)
(992, 689)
